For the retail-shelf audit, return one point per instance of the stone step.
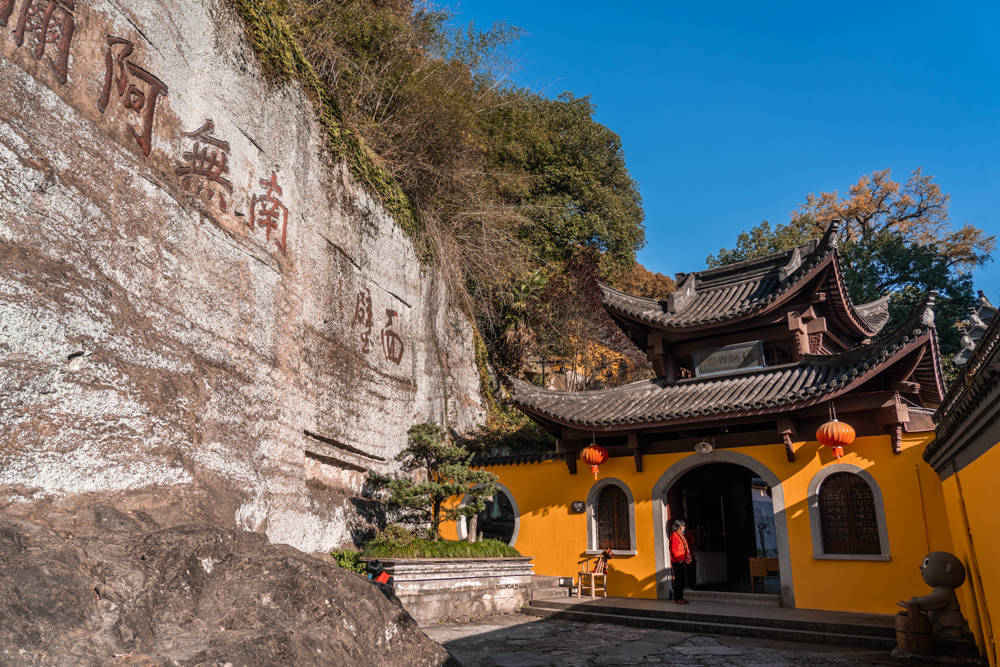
(549, 593)
(734, 598)
(820, 632)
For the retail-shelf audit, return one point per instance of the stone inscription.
(137, 90)
(392, 344)
(268, 212)
(46, 27)
(205, 166)
(46, 22)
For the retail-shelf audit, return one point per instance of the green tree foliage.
(895, 238)
(566, 175)
(444, 467)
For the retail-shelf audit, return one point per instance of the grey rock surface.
(122, 590)
(200, 310)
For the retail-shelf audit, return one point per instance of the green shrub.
(349, 560)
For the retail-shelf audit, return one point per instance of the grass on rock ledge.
(418, 548)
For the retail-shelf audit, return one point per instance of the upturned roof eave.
(927, 337)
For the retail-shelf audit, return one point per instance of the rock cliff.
(201, 312)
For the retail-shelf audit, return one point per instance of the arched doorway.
(734, 507)
(500, 520)
(727, 509)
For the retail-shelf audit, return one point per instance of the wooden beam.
(571, 462)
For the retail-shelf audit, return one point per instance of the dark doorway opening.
(730, 520)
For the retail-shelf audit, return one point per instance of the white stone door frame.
(661, 518)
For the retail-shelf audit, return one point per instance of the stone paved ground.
(518, 640)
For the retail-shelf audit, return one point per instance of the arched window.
(613, 529)
(848, 516)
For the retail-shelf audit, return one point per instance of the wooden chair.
(593, 572)
(760, 568)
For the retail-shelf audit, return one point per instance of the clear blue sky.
(731, 112)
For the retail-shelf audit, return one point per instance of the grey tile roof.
(742, 289)
(775, 389)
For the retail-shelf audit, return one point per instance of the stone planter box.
(436, 590)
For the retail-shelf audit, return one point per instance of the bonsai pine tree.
(446, 473)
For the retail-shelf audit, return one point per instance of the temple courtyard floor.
(519, 640)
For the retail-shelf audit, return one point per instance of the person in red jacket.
(680, 557)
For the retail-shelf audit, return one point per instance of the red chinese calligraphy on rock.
(392, 344)
(363, 316)
(46, 22)
(205, 166)
(267, 211)
(137, 90)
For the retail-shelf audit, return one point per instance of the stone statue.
(944, 572)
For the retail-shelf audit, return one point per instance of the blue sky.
(731, 112)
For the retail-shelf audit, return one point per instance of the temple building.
(966, 457)
(750, 359)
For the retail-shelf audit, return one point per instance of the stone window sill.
(874, 557)
(614, 552)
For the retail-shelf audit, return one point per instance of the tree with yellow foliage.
(896, 238)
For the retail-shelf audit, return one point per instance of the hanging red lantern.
(593, 455)
(836, 435)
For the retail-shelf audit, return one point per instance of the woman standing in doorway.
(680, 557)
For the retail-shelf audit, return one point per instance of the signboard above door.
(736, 357)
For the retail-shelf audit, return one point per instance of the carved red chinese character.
(206, 163)
(137, 89)
(266, 210)
(392, 344)
(363, 316)
(47, 22)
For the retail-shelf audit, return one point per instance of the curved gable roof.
(746, 289)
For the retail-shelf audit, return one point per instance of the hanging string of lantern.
(835, 434)
(593, 455)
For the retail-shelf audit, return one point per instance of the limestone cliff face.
(196, 301)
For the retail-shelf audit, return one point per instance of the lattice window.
(848, 516)
(613, 530)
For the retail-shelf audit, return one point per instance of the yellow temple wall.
(972, 501)
(910, 490)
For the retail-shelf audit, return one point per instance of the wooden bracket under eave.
(789, 451)
(571, 462)
(633, 443)
(896, 433)
(786, 428)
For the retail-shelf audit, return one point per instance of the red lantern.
(593, 455)
(835, 434)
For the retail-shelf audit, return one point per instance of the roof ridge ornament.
(794, 262)
(927, 312)
(832, 236)
(682, 297)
